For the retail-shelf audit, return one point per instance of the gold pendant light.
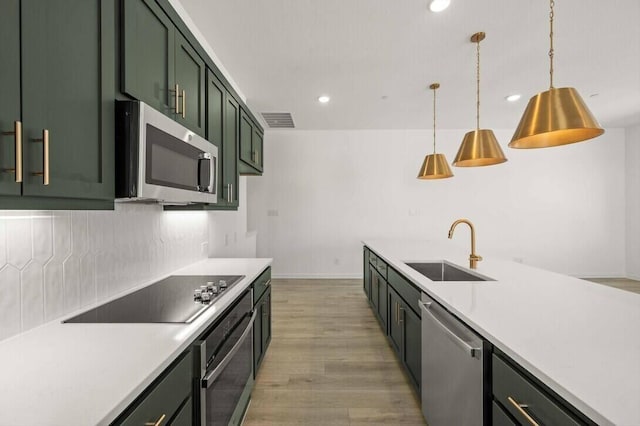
(434, 166)
(479, 147)
(557, 116)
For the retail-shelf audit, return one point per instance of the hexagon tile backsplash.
(55, 262)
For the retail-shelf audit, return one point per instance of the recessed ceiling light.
(324, 99)
(439, 5)
(513, 98)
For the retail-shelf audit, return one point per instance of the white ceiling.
(376, 58)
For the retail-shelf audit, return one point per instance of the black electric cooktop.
(176, 299)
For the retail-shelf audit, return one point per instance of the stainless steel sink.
(444, 271)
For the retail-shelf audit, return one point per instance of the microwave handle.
(212, 170)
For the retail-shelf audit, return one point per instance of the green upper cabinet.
(67, 75)
(190, 76)
(10, 104)
(229, 194)
(222, 125)
(160, 67)
(250, 146)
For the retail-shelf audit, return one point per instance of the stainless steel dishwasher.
(453, 361)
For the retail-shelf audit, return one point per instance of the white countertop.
(86, 374)
(579, 338)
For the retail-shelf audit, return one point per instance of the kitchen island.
(87, 374)
(576, 337)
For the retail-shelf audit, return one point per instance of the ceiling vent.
(279, 120)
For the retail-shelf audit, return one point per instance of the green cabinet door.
(246, 134)
(382, 303)
(412, 344)
(215, 124)
(261, 329)
(367, 271)
(256, 143)
(266, 322)
(148, 44)
(394, 327)
(10, 89)
(190, 77)
(257, 337)
(68, 57)
(230, 188)
(374, 296)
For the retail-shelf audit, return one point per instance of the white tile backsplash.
(54, 262)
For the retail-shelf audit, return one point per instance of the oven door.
(176, 165)
(226, 386)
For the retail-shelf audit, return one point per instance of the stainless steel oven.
(225, 358)
(158, 159)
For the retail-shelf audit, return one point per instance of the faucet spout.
(473, 257)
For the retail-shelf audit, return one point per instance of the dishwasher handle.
(426, 308)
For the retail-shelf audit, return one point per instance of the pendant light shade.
(557, 116)
(434, 166)
(479, 147)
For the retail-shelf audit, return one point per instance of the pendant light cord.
(551, 51)
(478, 85)
(434, 120)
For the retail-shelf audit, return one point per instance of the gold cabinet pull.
(184, 104)
(17, 132)
(157, 423)
(176, 100)
(521, 410)
(45, 157)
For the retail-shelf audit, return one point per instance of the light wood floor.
(620, 283)
(329, 362)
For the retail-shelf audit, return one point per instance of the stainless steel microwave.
(160, 160)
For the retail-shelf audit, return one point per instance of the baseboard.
(318, 276)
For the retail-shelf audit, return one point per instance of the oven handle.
(213, 375)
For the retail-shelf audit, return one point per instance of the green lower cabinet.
(168, 398)
(500, 417)
(184, 417)
(67, 81)
(412, 344)
(367, 272)
(394, 328)
(405, 335)
(522, 397)
(261, 329)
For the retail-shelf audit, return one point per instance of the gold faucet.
(473, 257)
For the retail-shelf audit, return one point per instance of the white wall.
(228, 235)
(323, 191)
(55, 262)
(633, 201)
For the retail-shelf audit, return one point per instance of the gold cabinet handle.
(157, 423)
(521, 410)
(184, 104)
(17, 132)
(45, 157)
(176, 100)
